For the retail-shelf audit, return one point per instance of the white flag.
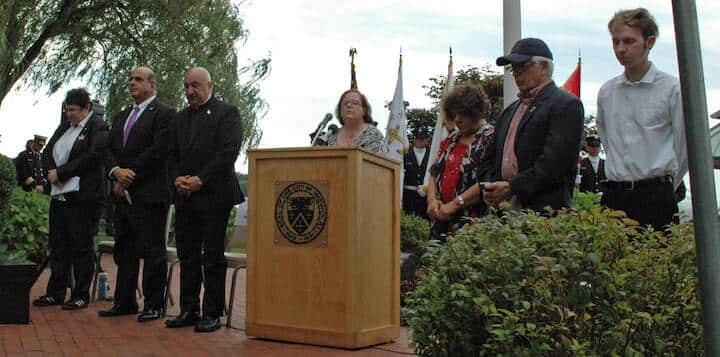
(441, 125)
(396, 131)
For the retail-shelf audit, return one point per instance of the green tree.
(50, 42)
(421, 118)
(486, 76)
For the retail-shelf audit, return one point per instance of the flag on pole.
(353, 79)
(442, 125)
(396, 131)
(572, 85)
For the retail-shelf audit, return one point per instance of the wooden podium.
(323, 258)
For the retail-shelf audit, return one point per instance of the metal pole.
(511, 34)
(692, 84)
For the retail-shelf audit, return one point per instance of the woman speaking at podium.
(355, 115)
(453, 193)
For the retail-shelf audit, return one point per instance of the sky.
(309, 41)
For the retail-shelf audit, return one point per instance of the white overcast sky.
(309, 41)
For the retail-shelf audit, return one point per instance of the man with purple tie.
(137, 167)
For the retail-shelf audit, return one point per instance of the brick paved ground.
(55, 332)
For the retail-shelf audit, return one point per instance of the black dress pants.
(140, 234)
(200, 237)
(650, 204)
(73, 226)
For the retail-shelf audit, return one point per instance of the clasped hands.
(496, 192)
(124, 178)
(186, 185)
(438, 211)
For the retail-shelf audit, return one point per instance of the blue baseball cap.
(523, 50)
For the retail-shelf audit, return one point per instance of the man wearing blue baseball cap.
(531, 161)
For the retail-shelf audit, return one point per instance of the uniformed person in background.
(30, 173)
(415, 162)
(592, 168)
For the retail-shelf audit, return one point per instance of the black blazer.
(415, 173)
(590, 181)
(87, 158)
(208, 149)
(547, 146)
(145, 153)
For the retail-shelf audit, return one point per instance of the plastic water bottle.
(103, 286)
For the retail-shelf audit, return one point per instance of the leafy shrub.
(585, 200)
(7, 182)
(585, 282)
(25, 230)
(414, 233)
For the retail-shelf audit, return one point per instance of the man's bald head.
(198, 86)
(142, 84)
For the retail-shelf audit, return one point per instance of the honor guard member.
(29, 165)
(415, 162)
(592, 168)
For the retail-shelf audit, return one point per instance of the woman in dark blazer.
(74, 164)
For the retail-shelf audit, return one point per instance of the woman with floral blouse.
(354, 113)
(455, 194)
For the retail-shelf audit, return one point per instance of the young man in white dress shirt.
(640, 123)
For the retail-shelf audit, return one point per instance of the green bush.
(7, 183)
(585, 200)
(25, 230)
(585, 282)
(414, 233)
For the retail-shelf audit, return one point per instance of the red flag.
(572, 85)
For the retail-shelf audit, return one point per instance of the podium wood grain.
(347, 293)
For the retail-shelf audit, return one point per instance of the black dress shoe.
(47, 300)
(75, 304)
(149, 315)
(207, 324)
(117, 310)
(182, 320)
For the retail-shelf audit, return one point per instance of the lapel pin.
(209, 112)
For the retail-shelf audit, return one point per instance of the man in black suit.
(137, 163)
(415, 162)
(74, 163)
(533, 156)
(592, 168)
(204, 145)
(29, 165)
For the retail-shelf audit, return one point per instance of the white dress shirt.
(641, 126)
(62, 148)
(141, 108)
(419, 154)
(594, 162)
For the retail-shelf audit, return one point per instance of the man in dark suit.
(74, 163)
(204, 145)
(415, 162)
(532, 158)
(592, 168)
(137, 166)
(29, 165)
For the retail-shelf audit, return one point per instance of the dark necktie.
(130, 123)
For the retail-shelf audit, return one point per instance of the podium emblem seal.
(301, 212)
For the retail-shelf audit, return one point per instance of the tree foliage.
(421, 118)
(486, 76)
(50, 42)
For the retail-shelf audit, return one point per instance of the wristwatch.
(460, 200)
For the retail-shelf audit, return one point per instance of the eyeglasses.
(521, 67)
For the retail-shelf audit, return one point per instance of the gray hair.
(541, 59)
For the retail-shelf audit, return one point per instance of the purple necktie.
(130, 123)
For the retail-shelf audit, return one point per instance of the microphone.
(320, 127)
(324, 136)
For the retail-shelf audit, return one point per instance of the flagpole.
(353, 78)
(440, 132)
